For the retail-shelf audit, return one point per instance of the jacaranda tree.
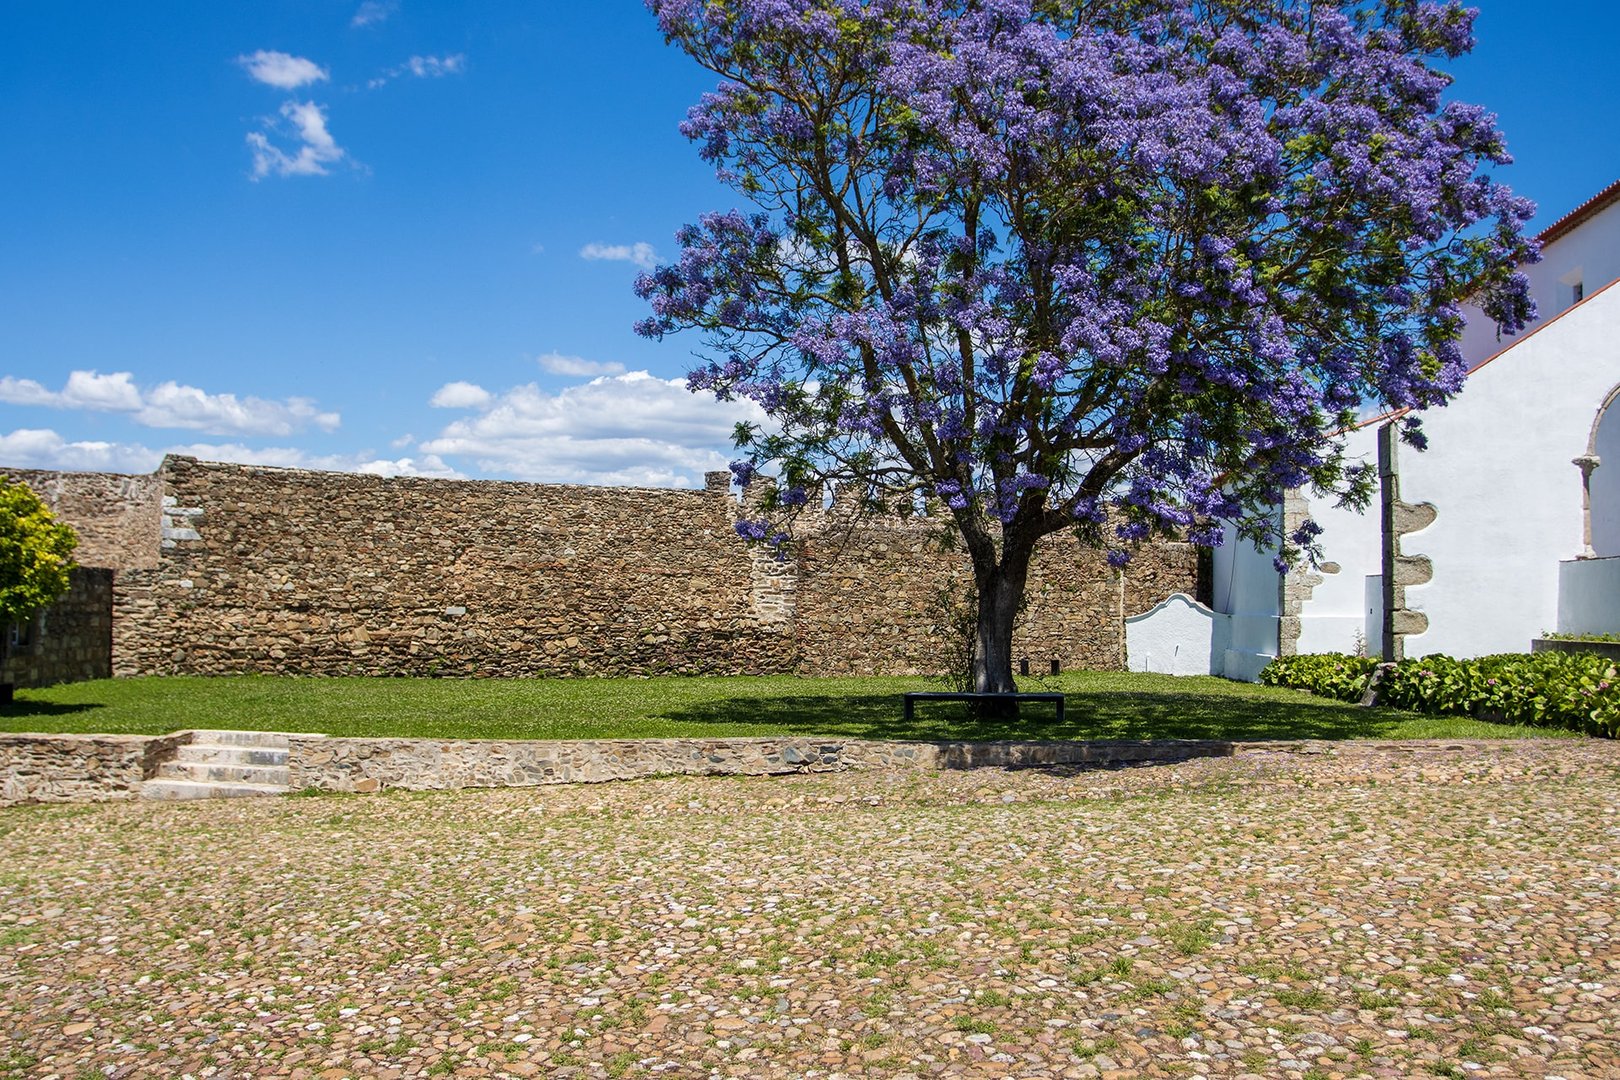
(1120, 267)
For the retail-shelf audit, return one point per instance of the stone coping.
(71, 767)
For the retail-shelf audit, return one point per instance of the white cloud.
(624, 429)
(172, 405)
(578, 366)
(34, 448)
(460, 395)
(430, 465)
(41, 448)
(434, 67)
(281, 70)
(640, 253)
(318, 149)
(372, 12)
(84, 390)
(423, 67)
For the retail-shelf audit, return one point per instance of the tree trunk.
(1001, 593)
(7, 688)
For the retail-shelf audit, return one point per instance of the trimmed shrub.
(1334, 675)
(1579, 691)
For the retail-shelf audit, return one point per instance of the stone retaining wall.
(88, 768)
(79, 768)
(71, 640)
(353, 764)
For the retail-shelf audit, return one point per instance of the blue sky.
(399, 236)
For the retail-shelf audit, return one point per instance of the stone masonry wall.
(367, 765)
(277, 570)
(79, 768)
(72, 639)
(116, 516)
(866, 604)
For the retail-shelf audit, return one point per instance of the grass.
(1101, 705)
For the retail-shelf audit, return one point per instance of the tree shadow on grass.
(1088, 715)
(22, 707)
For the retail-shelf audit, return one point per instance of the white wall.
(1589, 596)
(1246, 587)
(1336, 613)
(1590, 252)
(1177, 636)
(1606, 479)
(1499, 470)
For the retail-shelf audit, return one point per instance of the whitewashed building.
(1506, 527)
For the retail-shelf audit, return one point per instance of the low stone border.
(77, 768)
(353, 764)
(80, 768)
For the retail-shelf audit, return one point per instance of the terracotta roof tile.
(1587, 210)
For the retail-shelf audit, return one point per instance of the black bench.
(946, 695)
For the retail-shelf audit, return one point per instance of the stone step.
(215, 771)
(220, 754)
(201, 789)
(215, 737)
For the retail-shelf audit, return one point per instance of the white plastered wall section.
(1248, 593)
(1177, 636)
(1589, 253)
(1508, 494)
(1499, 471)
(1336, 617)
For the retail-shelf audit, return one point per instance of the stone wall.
(79, 768)
(865, 602)
(286, 571)
(366, 765)
(116, 516)
(69, 641)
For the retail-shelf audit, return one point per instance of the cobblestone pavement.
(1442, 910)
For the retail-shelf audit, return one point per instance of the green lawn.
(1101, 705)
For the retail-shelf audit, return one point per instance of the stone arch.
(1600, 487)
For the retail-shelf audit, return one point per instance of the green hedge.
(1552, 689)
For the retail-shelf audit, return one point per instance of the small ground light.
(1054, 665)
(1023, 666)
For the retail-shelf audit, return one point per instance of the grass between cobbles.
(1101, 705)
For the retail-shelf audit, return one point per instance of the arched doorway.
(1601, 466)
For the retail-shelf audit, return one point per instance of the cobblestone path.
(1442, 910)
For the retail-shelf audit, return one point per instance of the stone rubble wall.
(79, 768)
(95, 768)
(117, 517)
(263, 570)
(71, 640)
(368, 765)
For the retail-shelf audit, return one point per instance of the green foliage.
(1552, 636)
(1577, 691)
(35, 553)
(1334, 675)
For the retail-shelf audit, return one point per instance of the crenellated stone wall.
(69, 641)
(254, 569)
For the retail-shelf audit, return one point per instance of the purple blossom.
(1122, 269)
